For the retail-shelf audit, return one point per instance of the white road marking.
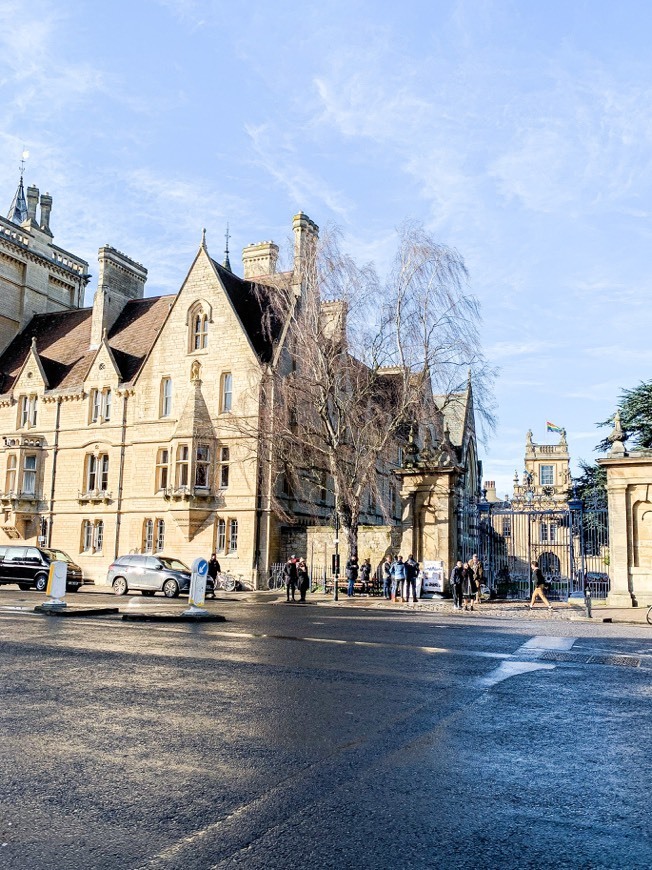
(544, 642)
(511, 669)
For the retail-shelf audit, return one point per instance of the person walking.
(213, 570)
(398, 576)
(468, 586)
(303, 579)
(290, 577)
(365, 576)
(411, 571)
(456, 578)
(539, 583)
(478, 576)
(387, 577)
(351, 575)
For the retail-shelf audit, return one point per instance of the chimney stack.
(259, 259)
(490, 490)
(32, 202)
(120, 280)
(306, 234)
(46, 208)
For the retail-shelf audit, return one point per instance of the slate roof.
(454, 409)
(62, 340)
(260, 321)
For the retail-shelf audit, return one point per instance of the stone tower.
(36, 276)
(547, 470)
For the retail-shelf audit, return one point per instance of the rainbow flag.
(550, 427)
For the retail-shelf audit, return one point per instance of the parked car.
(29, 567)
(148, 574)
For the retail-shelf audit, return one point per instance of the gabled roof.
(18, 208)
(258, 317)
(63, 338)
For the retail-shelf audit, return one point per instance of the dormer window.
(28, 411)
(100, 405)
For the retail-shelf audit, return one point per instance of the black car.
(148, 574)
(29, 567)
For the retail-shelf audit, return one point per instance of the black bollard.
(587, 602)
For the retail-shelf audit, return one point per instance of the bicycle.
(649, 615)
(226, 582)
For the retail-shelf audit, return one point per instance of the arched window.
(160, 535)
(148, 536)
(199, 329)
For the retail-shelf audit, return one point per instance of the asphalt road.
(310, 737)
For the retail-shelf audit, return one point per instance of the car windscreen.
(173, 564)
(59, 555)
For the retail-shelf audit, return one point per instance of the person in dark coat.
(468, 586)
(456, 578)
(411, 571)
(387, 577)
(365, 576)
(351, 575)
(303, 580)
(213, 570)
(290, 577)
(539, 583)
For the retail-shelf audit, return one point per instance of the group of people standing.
(295, 576)
(400, 578)
(466, 583)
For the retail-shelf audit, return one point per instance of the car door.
(15, 567)
(33, 564)
(152, 577)
(3, 551)
(135, 572)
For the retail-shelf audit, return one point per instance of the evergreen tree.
(635, 416)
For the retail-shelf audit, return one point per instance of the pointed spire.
(203, 238)
(227, 262)
(18, 208)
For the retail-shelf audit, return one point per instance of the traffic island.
(75, 611)
(160, 616)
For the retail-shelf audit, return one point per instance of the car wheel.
(24, 586)
(41, 582)
(170, 589)
(120, 586)
(147, 591)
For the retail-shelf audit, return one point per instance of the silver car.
(148, 574)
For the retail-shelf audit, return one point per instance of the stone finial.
(195, 372)
(411, 451)
(528, 438)
(203, 238)
(617, 438)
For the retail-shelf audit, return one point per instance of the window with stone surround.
(233, 536)
(198, 320)
(10, 477)
(226, 392)
(224, 467)
(162, 468)
(87, 536)
(547, 475)
(183, 466)
(29, 474)
(148, 536)
(220, 545)
(100, 405)
(202, 466)
(28, 412)
(166, 397)
(160, 536)
(98, 536)
(97, 472)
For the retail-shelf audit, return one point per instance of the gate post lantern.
(197, 592)
(56, 588)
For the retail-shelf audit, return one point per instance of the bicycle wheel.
(649, 615)
(229, 583)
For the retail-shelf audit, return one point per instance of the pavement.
(102, 596)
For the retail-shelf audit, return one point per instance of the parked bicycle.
(649, 614)
(228, 582)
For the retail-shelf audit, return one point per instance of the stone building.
(131, 426)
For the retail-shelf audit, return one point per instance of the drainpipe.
(118, 516)
(55, 453)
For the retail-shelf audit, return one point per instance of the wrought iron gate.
(569, 542)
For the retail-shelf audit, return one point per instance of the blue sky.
(520, 133)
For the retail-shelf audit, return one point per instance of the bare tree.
(360, 365)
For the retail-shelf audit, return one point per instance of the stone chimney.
(32, 202)
(120, 280)
(490, 491)
(306, 233)
(46, 209)
(259, 259)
